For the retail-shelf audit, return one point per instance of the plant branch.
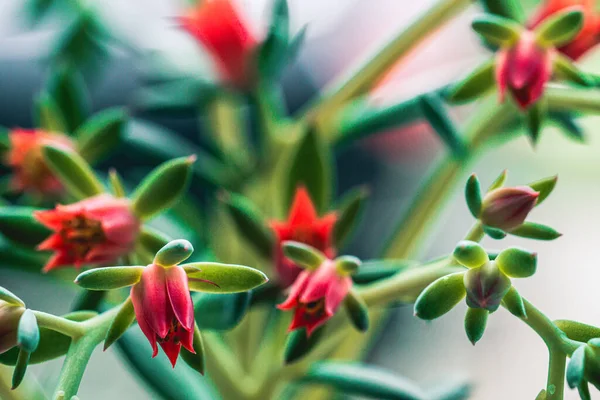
(62, 325)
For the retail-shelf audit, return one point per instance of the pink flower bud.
(97, 230)
(9, 322)
(507, 208)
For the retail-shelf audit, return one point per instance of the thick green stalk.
(576, 100)
(58, 324)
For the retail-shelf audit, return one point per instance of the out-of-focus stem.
(569, 99)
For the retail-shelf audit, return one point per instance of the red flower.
(508, 207)
(303, 225)
(97, 230)
(524, 70)
(315, 296)
(164, 310)
(588, 37)
(26, 159)
(220, 28)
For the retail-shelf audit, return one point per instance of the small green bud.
(303, 255)
(517, 263)
(475, 322)
(28, 333)
(486, 286)
(173, 253)
(347, 265)
(440, 296)
(470, 254)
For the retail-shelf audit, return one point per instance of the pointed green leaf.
(566, 121)
(348, 214)
(120, 324)
(566, 70)
(511, 9)
(534, 118)
(47, 114)
(20, 368)
(513, 302)
(475, 322)
(274, 50)
(152, 240)
(363, 380)
(28, 333)
(495, 233)
(440, 296)
(473, 195)
(196, 361)
(303, 255)
(162, 187)
(250, 223)
(476, 84)
(544, 187)
(499, 181)
(221, 312)
(560, 28)
(73, 172)
(375, 270)
(109, 278)
(9, 297)
(532, 230)
(517, 262)
(436, 115)
(223, 278)
(584, 391)
(497, 30)
(116, 183)
(101, 134)
(68, 88)
(576, 367)
(578, 330)
(19, 225)
(298, 344)
(357, 311)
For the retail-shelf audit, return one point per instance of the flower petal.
(155, 304)
(137, 298)
(179, 296)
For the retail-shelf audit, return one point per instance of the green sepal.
(348, 215)
(28, 333)
(9, 297)
(434, 112)
(517, 262)
(195, 361)
(357, 311)
(560, 28)
(534, 117)
(475, 85)
(470, 254)
(475, 322)
(494, 233)
(116, 183)
(564, 68)
(544, 187)
(152, 240)
(532, 230)
(174, 252)
(101, 134)
(499, 181)
(440, 296)
(162, 187)
(497, 30)
(67, 87)
(213, 277)
(513, 302)
(48, 115)
(576, 367)
(577, 330)
(584, 391)
(473, 195)
(250, 223)
(19, 225)
(511, 9)
(73, 172)
(109, 278)
(273, 51)
(347, 265)
(566, 121)
(120, 324)
(221, 312)
(303, 255)
(298, 344)
(20, 368)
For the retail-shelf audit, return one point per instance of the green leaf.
(250, 223)
(274, 50)
(517, 262)
(576, 367)
(475, 323)
(196, 361)
(499, 181)
(544, 187)
(9, 297)
(363, 380)
(534, 118)
(152, 240)
(357, 311)
(441, 296)
(584, 391)
(67, 87)
(532, 230)
(28, 333)
(436, 115)
(476, 84)
(20, 368)
(375, 270)
(311, 167)
(511, 9)
(303, 255)
(560, 28)
(578, 330)
(220, 312)
(109, 278)
(497, 30)
(347, 265)
(565, 69)
(120, 324)
(223, 278)
(116, 183)
(47, 114)
(18, 224)
(101, 134)
(470, 254)
(495, 233)
(174, 252)
(473, 195)
(348, 214)
(298, 344)
(162, 187)
(73, 172)
(513, 302)
(566, 121)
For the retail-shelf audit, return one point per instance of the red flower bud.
(27, 162)
(524, 69)
(507, 208)
(588, 36)
(97, 230)
(304, 226)
(315, 296)
(220, 28)
(10, 315)
(164, 310)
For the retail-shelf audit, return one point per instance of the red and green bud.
(507, 208)
(486, 286)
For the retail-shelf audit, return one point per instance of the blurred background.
(509, 363)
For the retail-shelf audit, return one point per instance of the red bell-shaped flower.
(27, 162)
(316, 295)
(97, 230)
(588, 36)
(523, 70)
(303, 225)
(220, 28)
(164, 310)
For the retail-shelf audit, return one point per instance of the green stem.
(576, 100)
(59, 324)
(555, 387)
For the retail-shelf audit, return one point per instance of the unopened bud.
(173, 253)
(507, 208)
(486, 286)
